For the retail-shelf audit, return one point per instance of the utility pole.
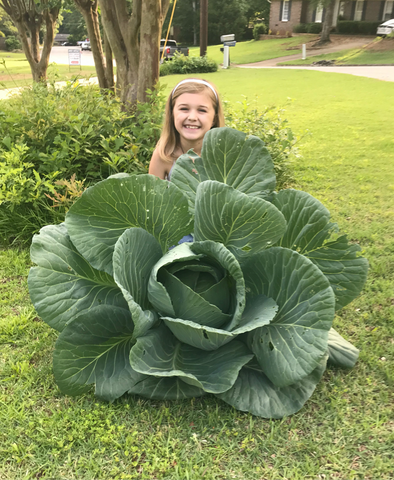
(203, 27)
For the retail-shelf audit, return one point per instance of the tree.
(134, 33)
(29, 17)
(327, 22)
(88, 9)
(73, 22)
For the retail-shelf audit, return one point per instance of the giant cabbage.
(243, 312)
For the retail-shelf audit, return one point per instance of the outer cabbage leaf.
(64, 285)
(95, 348)
(135, 254)
(97, 220)
(160, 353)
(341, 352)
(165, 388)
(308, 232)
(292, 345)
(253, 392)
(229, 157)
(236, 220)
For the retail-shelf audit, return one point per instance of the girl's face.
(194, 116)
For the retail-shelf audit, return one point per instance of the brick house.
(285, 14)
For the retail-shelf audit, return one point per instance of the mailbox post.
(228, 41)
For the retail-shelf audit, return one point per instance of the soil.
(381, 45)
(335, 40)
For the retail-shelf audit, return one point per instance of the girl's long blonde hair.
(169, 138)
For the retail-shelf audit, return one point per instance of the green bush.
(187, 65)
(12, 43)
(273, 130)
(259, 29)
(361, 28)
(314, 27)
(48, 135)
(301, 28)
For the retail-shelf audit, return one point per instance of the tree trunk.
(135, 42)
(109, 61)
(28, 20)
(327, 24)
(88, 8)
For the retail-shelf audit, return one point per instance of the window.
(319, 14)
(341, 11)
(286, 11)
(358, 13)
(388, 10)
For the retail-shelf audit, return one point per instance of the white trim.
(319, 13)
(358, 12)
(285, 11)
(387, 11)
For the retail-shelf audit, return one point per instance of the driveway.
(380, 72)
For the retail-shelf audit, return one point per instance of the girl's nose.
(192, 115)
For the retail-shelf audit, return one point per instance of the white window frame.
(341, 11)
(358, 12)
(286, 11)
(319, 13)
(388, 9)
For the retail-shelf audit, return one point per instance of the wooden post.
(203, 27)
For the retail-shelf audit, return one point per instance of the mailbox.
(227, 38)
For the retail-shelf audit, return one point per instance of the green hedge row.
(361, 28)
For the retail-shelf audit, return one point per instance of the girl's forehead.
(201, 98)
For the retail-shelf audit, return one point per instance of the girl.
(192, 109)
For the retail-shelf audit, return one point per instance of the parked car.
(85, 46)
(68, 44)
(171, 48)
(385, 28)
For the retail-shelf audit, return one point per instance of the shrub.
(12, 43)
(187, 65)
(270, 127)
(362, 28)
(314, 27)
(259, 29)
(51, 134)
(301, 28)
(368, 28)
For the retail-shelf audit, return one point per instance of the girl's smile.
(194, 116)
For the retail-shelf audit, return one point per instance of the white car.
(85, 46)
(385, 28)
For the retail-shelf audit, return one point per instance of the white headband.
(195, 80)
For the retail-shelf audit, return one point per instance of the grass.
(345, 431)
(355, 56)
(252, 51)
(15, 71)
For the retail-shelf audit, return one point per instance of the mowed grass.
(255, 51)
(345, 431)
(15, 71)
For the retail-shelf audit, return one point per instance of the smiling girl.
(192, 109)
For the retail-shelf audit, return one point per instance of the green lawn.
(345, 431)
(350, 57)
(252, 51)
(15, 71)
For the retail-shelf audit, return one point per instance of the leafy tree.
(29, 18)
(73, 23)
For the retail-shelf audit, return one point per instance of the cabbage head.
(242, 310)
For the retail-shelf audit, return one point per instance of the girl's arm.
(158, 167)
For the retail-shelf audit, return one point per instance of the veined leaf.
(259, 311)
(341, 352)
(159, 353)
(165, 388)
(292, 345)
(308, 232)
(237, 220)
(229, 157)
(97, 220)
(95, 348)
(135, 254)
(253, 392)
(64, 285)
